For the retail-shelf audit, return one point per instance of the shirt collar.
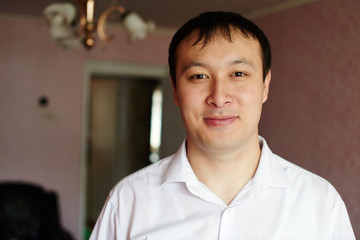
(268, 174)
(179, 168)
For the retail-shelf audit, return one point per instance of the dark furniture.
(27, 212)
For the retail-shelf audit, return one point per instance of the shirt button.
(228, 211)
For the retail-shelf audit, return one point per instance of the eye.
(199, 76)
(239, 74)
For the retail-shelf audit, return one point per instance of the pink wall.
(45, 145)
(312, 116)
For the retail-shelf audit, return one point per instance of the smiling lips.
(219, 121)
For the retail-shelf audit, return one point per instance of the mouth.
(219, 121)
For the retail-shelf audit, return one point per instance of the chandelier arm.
(81, 4)
(104, 18)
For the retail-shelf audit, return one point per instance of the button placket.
(226, 223)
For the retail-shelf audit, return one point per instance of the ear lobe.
(266, 86)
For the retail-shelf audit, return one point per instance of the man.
(224, 182)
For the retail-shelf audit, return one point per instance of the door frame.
(98, 67)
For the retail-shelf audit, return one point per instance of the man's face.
(220, 92)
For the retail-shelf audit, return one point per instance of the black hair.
(207, 25)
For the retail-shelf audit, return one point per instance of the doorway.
(119, 127)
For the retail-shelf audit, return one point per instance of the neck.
(225, 173)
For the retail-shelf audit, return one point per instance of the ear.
(175, 96)
(266, 86)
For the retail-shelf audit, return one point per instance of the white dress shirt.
(166, 201)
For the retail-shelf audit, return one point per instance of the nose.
(219, 95)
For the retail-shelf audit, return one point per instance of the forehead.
(236, 44)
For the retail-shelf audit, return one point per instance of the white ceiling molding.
(277, 8)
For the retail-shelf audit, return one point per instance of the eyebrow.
(192, 64)
(243, 61)
(234, 62)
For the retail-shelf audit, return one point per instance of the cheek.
(250, 94)
(188, 96)
(188, 110)
(251, 99)
(188, 102)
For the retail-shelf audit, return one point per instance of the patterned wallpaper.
(312, 117)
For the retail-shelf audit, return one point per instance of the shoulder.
(296, 178)
(129, 194)
(305, 182)
(315, 198)
(141, 180)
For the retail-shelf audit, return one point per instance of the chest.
(274, 216)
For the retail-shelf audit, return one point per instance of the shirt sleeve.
(342, 228)
(106, 227)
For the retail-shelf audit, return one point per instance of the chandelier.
(72, 24)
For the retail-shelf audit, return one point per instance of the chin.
(219, 144)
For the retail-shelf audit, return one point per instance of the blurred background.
(75, 120)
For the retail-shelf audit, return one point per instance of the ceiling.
(165, 13)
